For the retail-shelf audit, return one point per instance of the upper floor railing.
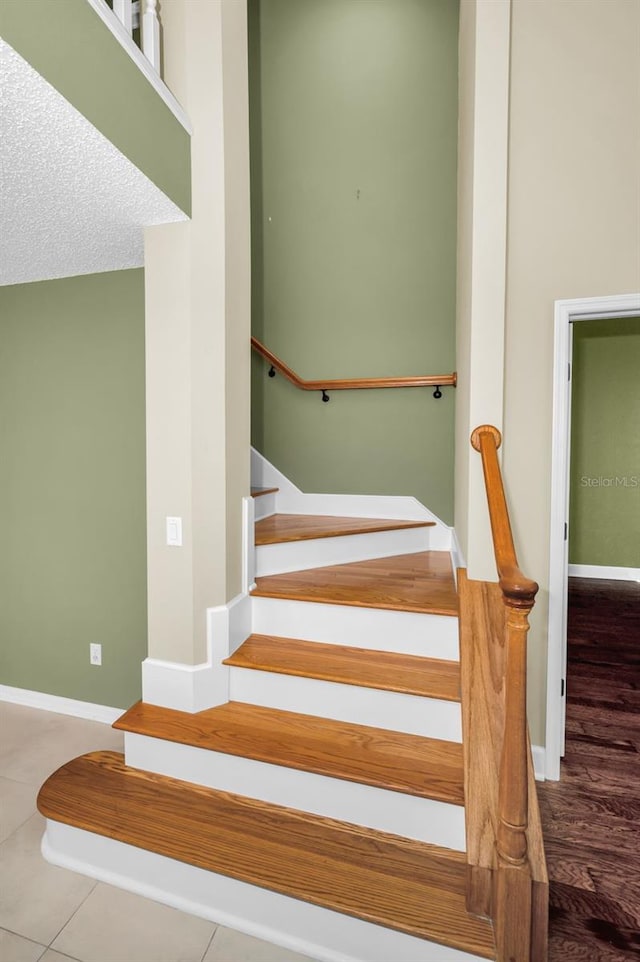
(136, 26)
(140, 18)
(354, 383)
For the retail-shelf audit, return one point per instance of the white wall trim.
(60, 705)
(126, 42)
(194, 688)
(566, 312)
(605, 572)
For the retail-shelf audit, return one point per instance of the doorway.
(567, 313)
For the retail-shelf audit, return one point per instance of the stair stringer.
(291, 500)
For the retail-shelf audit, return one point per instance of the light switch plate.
(174, 532)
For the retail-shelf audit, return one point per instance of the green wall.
(605, 444)
(353, 142)
(72, 486)
(69, 45)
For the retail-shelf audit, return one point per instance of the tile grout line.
(210, 942)
(19, 935)
(74, 913)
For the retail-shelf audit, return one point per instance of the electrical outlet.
(95, 654)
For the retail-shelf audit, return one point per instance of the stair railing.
(512, 886)
(352, 384)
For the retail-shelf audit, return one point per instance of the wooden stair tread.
(412, 764)
(421, 582)
(258, 492)
(281, 528)
(406, 885)
(386, 670)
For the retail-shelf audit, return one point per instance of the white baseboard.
(194, 688)
(605, 572)
(296, 925)
(539, 762)
(181, 687)
(60, 705)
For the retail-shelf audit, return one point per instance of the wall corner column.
(483, 142)
(197, 282)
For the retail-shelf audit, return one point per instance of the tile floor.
(49, 914)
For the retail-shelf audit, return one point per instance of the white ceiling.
(70, 202)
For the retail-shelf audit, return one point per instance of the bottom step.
(382, 879)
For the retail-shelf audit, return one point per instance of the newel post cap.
(485, 429)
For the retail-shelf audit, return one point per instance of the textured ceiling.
(70, 202)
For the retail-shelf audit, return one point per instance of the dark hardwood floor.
(591, 817)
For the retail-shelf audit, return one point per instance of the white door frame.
(566, 313)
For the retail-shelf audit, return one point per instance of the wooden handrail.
(515, 585)
(349, 384)
(512, 895)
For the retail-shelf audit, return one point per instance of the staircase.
(322, 806)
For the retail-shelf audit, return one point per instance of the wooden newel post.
(513, 790)
(512, 881)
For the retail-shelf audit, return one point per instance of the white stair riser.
(299, 926)
(265, 505)
(321, 552)
(387, 811)
(393, 710)
(413, 633)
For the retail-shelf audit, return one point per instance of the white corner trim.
(606, 572)
(457, 557)
(248, 544)
(194, 688)
(60, 705)
(538, 754)
(126, 42)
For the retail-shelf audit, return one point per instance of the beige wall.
(198, 328)
(573, 231)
